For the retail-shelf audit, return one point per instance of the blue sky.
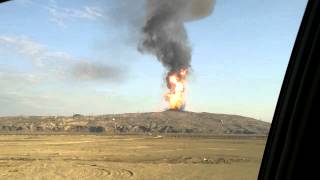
(240, 53)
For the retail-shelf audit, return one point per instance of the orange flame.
(176, 83)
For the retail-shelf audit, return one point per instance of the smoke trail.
(85, 71)
(164, 34)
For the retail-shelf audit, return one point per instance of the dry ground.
(128, 157)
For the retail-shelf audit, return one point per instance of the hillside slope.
(137, 123)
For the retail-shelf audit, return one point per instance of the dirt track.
(128, 157)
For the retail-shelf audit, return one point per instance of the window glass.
(147, 89)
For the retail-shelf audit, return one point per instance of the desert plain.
(87, 156)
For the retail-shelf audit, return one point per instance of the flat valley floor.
(129, 157)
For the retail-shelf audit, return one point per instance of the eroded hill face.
(139, 123)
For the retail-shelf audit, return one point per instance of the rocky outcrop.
(172, 122)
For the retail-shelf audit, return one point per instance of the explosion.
(176, 83)
(165, 36)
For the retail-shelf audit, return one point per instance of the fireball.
(176, 82)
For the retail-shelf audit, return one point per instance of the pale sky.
(62, 57)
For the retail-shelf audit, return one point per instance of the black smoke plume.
(164, 34)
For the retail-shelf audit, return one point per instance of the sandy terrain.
(128, 157)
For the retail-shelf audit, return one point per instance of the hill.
(173, 122)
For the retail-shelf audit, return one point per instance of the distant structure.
(76, 116)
